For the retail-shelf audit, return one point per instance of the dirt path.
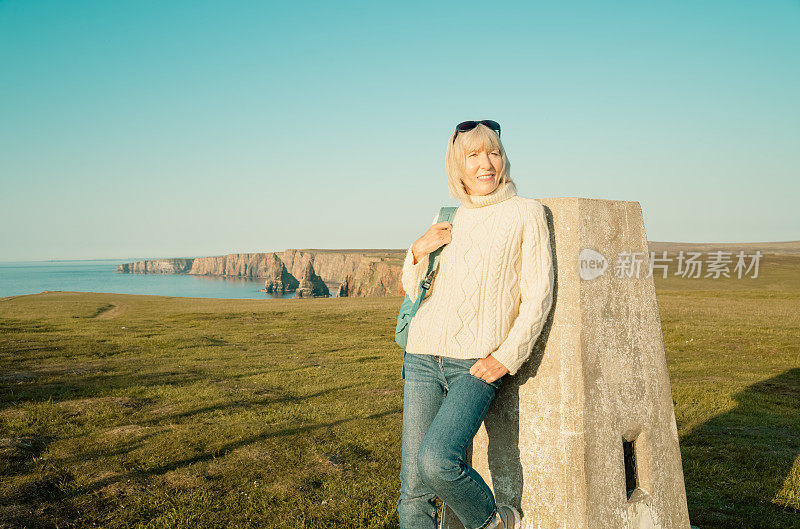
(109, 311)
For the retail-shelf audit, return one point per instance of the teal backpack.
(409, 306)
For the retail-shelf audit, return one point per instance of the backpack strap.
(446, 213)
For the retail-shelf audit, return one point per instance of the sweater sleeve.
(536, 290)
(413, 274)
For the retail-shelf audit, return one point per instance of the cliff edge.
(307, 273)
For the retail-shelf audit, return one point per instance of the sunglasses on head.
(469, 125)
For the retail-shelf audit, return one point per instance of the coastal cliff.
(252, 265)
(359, 273)
(157, 266)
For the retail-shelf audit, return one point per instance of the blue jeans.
(443, 408)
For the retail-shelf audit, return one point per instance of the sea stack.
(347, 286)
(280, 280)
(311, 285)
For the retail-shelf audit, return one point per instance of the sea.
(32, 277)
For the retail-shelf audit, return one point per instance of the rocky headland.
(307, 273)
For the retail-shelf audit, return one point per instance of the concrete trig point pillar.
(584, 435)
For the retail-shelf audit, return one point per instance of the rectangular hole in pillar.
(630, 466)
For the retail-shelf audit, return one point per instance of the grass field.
(146, 411)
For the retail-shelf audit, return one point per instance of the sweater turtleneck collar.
(502, 192)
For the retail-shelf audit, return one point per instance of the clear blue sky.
(158, 129)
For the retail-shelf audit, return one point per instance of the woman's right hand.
(436, 236)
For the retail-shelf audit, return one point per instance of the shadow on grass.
(738, 464)
(240, 405)
(163, 420)
(21, 387)
(228, 447)
(53, 491)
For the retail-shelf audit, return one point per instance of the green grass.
(148, 411)
(733, 351)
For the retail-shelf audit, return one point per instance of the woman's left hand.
(488, 369)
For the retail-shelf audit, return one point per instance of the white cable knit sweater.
(494, 285)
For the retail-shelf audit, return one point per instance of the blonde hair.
(478, 139)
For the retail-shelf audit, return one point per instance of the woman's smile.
(482, 168)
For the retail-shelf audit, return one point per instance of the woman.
(477, 323)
